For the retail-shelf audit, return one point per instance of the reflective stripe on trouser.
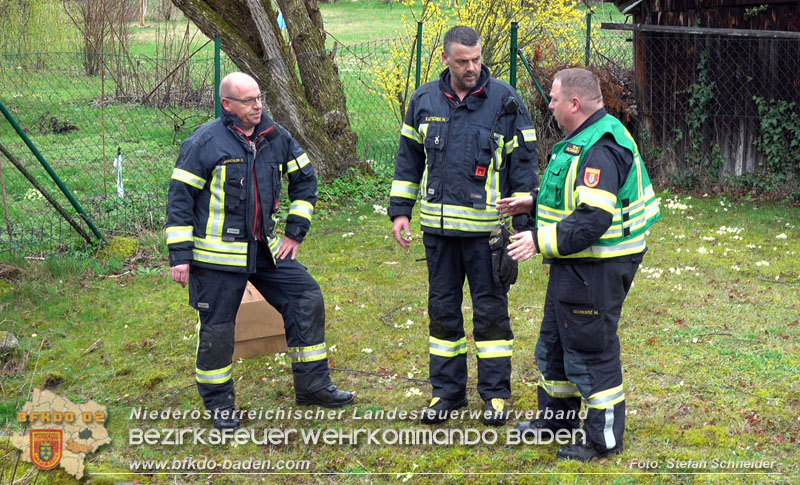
(579, 350)
(290, 289)
(211, 293)
(450, 260)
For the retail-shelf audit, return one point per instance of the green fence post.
(217, 80)
(50, 171)
(512, 74)
(418, 79)
(588, 37)
(535, 81)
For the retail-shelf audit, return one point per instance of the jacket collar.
(232, 122)
(475, 97)
(589, 121)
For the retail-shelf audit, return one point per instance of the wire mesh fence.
(114, 137)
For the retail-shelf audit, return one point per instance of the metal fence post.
(50, 171)
(418, 78)
(512, 72)
(217, 80)
(588, 37)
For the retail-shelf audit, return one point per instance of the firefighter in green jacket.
(593, 209)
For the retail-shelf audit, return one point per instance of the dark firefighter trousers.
(289, 288)
(449, 260)
(578, 352)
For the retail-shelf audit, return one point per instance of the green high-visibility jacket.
(634, 208)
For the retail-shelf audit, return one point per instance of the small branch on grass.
(754, 395)
(385, 316)
(115, 275)
(375, 374)
(723, 334)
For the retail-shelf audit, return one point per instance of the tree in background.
(103, 26)
(554, 26)
(314, 110)
(34, 26)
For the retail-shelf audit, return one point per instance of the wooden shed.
(699, 64)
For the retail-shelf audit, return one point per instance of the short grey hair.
(580, 83)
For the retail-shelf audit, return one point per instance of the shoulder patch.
(573, 149)
(435, 119)
(591, 177)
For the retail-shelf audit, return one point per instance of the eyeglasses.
(249, 101)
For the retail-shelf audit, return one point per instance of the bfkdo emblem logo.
(46, 447)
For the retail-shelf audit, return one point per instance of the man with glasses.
(221, 213)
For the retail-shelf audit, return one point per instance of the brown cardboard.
(259, 327)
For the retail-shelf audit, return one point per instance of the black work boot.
(438, 411)
(329, 397)
(494, 413)
(585, 452)
(225, 418)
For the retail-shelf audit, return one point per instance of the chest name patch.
(435, 119)
(573, 149)
(232, 160)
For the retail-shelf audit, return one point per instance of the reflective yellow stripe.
(216, 204)
(548, 241)
(520, 194)
(511, 145)
(494, 348)
(559, 388)
(179, 234)
(297, 163)
(407, 190)
(632, 246)
(301, 208)
(188, 178)
(529, 135)
(308, 354)
(569, 192)
(597, 198)
(216, 376)
(274, 245)
(217, 258)
(411, 133)
(606, 399)
(218, 245)
(443, 348)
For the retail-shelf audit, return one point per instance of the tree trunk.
(313, 112)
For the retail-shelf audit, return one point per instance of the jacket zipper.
(257, 220)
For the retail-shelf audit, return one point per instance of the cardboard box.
(259, 327)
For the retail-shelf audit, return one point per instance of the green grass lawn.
(709, 347)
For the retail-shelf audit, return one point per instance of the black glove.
(504, 269)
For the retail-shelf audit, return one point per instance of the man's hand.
(180, 274)
(514, 206)
(289, 248)
(523, 248)
(401, 231)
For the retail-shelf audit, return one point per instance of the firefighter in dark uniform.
(221, 215)
(593, 209)
(467, 141)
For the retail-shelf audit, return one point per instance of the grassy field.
(709, 334)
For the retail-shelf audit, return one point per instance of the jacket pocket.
(552, 189)
(435, 142)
